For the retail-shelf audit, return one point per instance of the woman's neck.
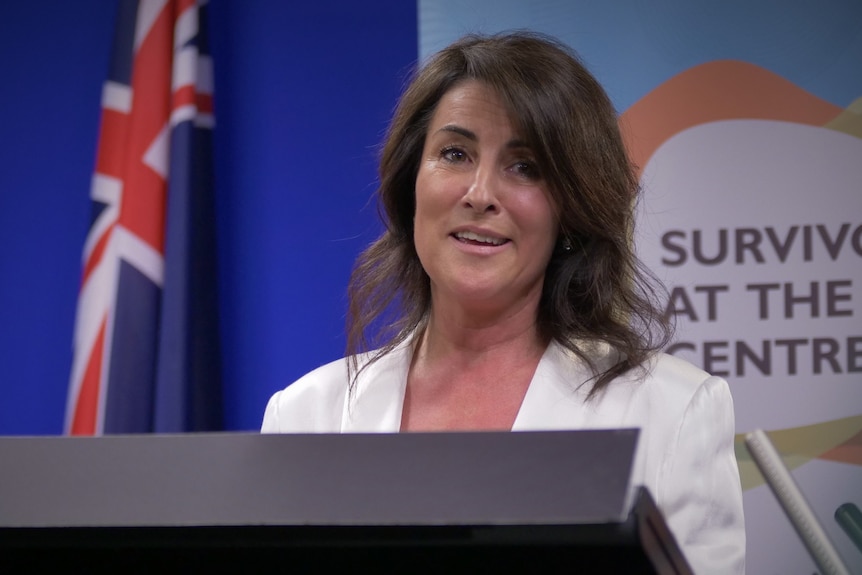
(455, 328)
(469, 374)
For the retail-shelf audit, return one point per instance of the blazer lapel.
(557, 393)
(377, 401)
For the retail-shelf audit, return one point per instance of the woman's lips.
(479, 239)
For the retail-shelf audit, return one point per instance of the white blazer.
(685, 454)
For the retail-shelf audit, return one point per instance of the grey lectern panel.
(529, 502)
(380, 479)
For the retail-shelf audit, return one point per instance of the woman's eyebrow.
(470, 135)
(460, 131)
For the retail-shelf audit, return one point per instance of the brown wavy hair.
(596, 291)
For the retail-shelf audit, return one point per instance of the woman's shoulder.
(675, 393)
(661, 373)
(680, 382)
(676, 372)
(669, 384)
(312, 404)
(316, 402)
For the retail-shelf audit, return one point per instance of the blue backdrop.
(303, 93)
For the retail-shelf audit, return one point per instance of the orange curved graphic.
(848, 452)
(719, 90)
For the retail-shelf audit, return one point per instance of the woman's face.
(484, 226)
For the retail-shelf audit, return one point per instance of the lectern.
(485, 502)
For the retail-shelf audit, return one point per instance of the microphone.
(849, 518)
(793, 502)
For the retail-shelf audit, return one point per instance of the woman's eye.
(526, 170)
(453, 154)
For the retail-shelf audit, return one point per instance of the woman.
(509, 293)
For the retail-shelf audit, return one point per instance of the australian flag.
(146, 353)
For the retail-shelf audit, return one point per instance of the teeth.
(478, 238)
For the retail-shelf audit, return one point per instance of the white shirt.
(685, 454)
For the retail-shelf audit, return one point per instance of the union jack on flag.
(146, 356)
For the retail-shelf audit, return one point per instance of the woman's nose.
(481, 193)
